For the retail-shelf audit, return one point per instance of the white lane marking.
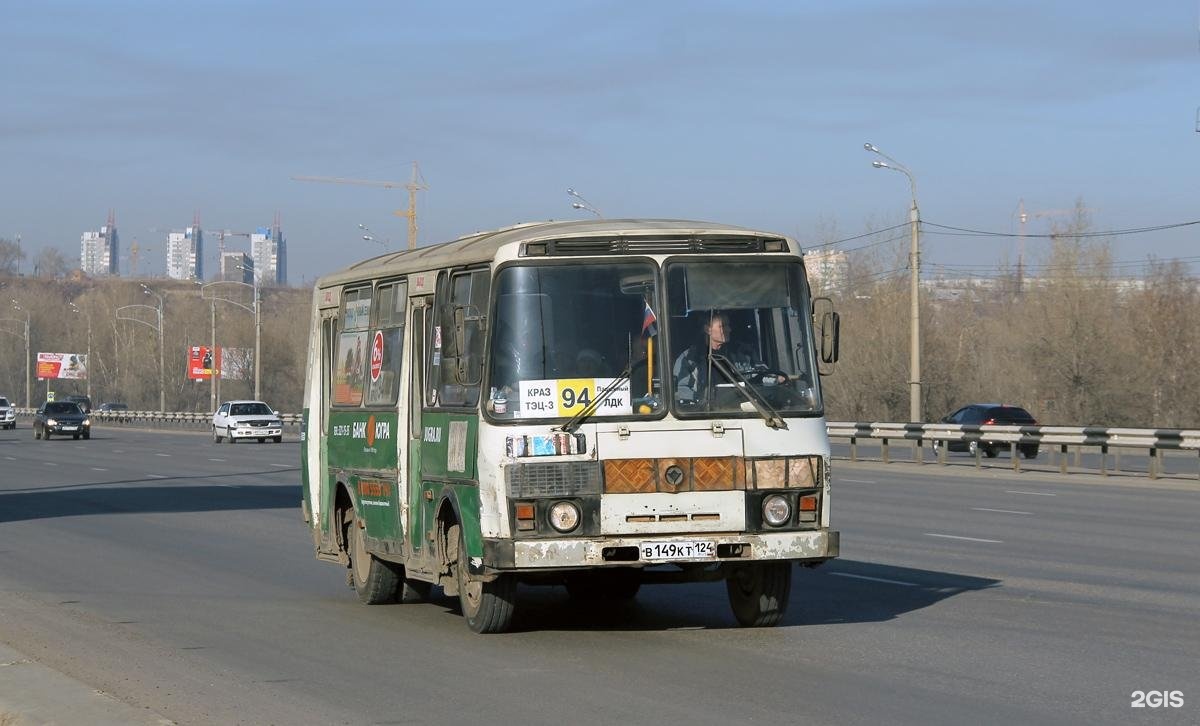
(1032, 494)
(11, 458)
(216, 460)
(162, 454)
(875, 579)
(284, 465)
(1000, 511)
(157, 476)
(968, 539)
(96, 468)
(857, 481)
(49, 463)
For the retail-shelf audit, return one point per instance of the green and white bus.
(597, 404)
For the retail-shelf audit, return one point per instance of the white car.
(246, 420)
(8, 414)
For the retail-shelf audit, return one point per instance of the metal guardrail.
(915, 436)
(163, 419)
(1080, 438)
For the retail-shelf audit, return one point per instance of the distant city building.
(269, 250)
(98, 251)
(826, 270)
(237, 267)
(185, 254)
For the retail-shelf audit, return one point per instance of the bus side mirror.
(831, 328)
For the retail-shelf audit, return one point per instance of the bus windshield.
(563, 333)
(738, 331)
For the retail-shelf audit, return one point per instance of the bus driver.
(692, 368)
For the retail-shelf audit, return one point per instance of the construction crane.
(134, 250)
(221, 235)
(1024, 216)
(416, 184)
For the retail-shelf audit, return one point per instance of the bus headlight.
(564, 516)
(777, 510)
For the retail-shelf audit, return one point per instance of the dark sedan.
(990, 414)
(63, 418)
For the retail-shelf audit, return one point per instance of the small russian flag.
(649, 321)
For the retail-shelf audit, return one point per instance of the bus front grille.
(552, 479)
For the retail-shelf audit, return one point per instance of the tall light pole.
(914, 263)
(582, 203)
(257, 328)
(17, 306)
(88, 368)
(211, 292)
(158, 326)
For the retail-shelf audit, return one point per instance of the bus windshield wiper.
(740, 384)
(590, 409)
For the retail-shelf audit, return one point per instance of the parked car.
(61, 417)
(246, 420)
(112, 406)
(990, 414)
(84, 402)
(8, 414)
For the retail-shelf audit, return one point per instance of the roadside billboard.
(203, 360)
(72, 366)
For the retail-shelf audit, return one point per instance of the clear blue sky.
(743, 112)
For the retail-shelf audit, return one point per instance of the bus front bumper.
(813, 547)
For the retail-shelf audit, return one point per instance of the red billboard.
(203, 361)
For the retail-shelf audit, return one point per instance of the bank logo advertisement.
(364, 439)
(70, 366)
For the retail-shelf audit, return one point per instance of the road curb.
(32, 693)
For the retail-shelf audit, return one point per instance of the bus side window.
(460, 317)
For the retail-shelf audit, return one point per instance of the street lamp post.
(256, 310)
(158, 326)
(25, 334)
(370, 237)
(914, 263)
(210, 292)
(582, 203)
(88, 369)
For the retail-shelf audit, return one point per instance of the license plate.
(69, 428)
(679, 550)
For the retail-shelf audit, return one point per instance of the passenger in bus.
(692, 368)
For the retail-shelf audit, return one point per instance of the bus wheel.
(373, 580)
(758, 592)
(487, 606)
(604, 585)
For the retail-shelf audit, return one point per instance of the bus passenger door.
(415, 360)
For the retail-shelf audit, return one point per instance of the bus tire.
(374, 582)
(758, 592)
(487, 606)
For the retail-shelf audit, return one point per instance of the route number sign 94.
(565, 397)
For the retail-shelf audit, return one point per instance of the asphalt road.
(176, 575)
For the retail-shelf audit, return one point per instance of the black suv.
(990, 414)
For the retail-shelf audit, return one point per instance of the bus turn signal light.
(525, 513)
